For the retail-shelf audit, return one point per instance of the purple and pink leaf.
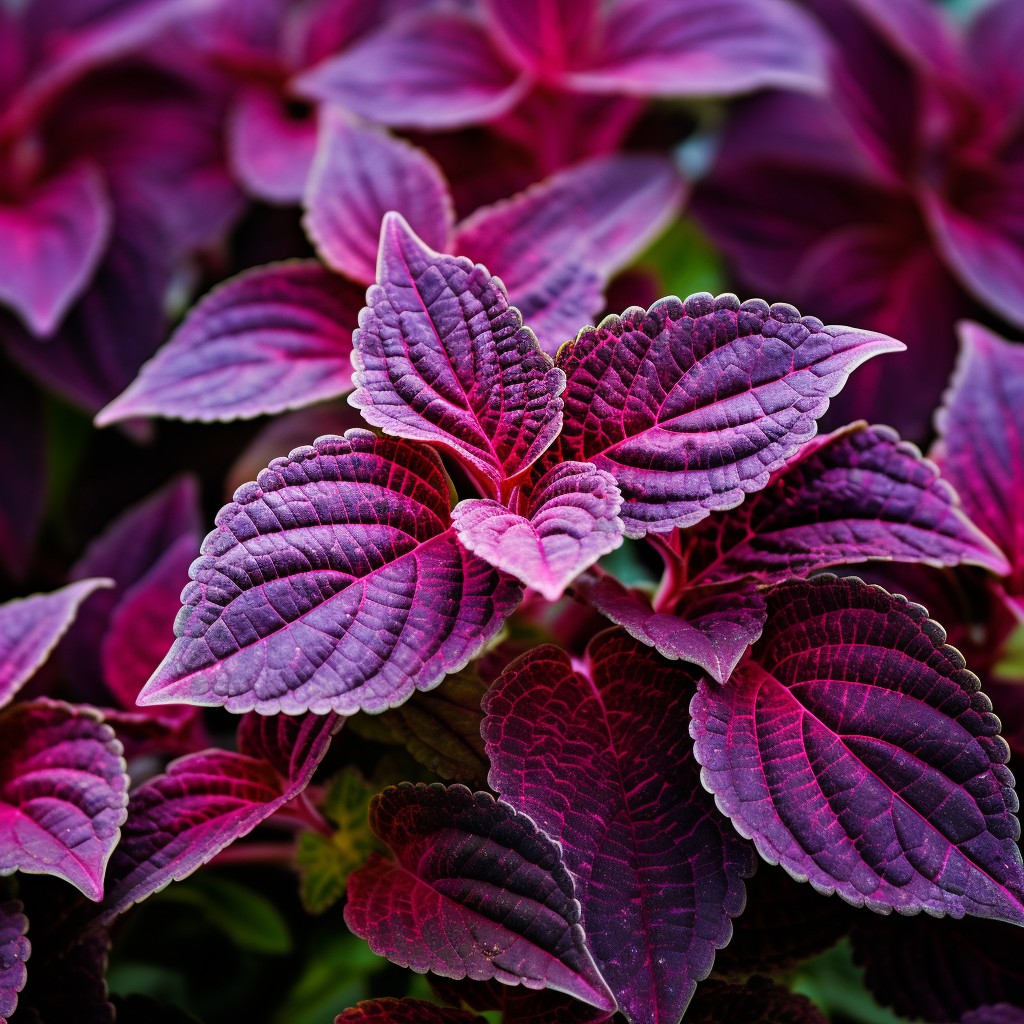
(14, 952)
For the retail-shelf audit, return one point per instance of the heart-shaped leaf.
(601, 760)
(333, 583)
(441, 356)
(14, 951)
(856, 750)
(570, 521)
(691, 405)
(63, 792)
(475, 890)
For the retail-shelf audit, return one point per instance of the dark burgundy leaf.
(517, 1005)
(273, 338)
(691, 405)
(601, 760)
(63, 792)
(404, 1011)
(759, 1001)
(569, 521)
(180, 820)
(21, 508)
(856, 750)
(332, 583)
(475, 891)
(14, 951)
(441, 356)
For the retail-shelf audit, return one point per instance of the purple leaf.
(333, 583)
(441, 356)
(270, 339)
(541, 36)
(570, 521)
(404, 1011)
(55, 238)
(555, 244)
(1002, 1013)
(475, 891)
(601, 760)
(710, 628)
(981, 439)
(704, 49)
(180, 820)
(690, 405)
(360, 173)
(271, 152)
(856, 750)
(63, 793)
(14, 951)
(856, 494)
(758, 1001)
(30, 628)
(427, 70)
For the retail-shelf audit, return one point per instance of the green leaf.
(686, 261)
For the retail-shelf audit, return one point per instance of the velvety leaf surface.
(856, 494)
(204, 802)
(555, 244)
(30, 628)
(63, 793)
(709, 627)
(332, 583)
(428, 70)
(601, 760)
(404, 1011)
(856, 750)
(14, 951)
(759, 1001)
(441, 356)
(570, 520)
(56, 234)
(270, 339)
(359, 174)
(475, 891)
(981, 439)
(690, 405)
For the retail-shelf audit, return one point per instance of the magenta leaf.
(332, 583)
(475, 890)
(204, 802)
(270, 339)
(360, 173)
(705, 49)
(63, 793)
(14, 951)
(428, 70)
(856, 750)
(570, 521)
(854, 495)
(758, 1001)
(543, 36)
(981, 440)
(404, 1011)
(56, 237)
(690, 405)
(709, 627)
(601, 760)
(30, 628)
(441, 356)
(555, 244)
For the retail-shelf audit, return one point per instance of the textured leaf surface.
(14, 951)
(570, 521)
(981, 439)
(441, 356)
(555, 244)
(475, 891)
(360, 173)
(30, 628)
(404, 1011)
(690, 405)
(711, 628)
(857, 494)
(63, 792)
(204, 802)
(271, 339)
(332, 583)
(856, 750)
(602, 762)
(759, 1001)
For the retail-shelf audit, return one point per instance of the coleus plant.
(822, 723)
